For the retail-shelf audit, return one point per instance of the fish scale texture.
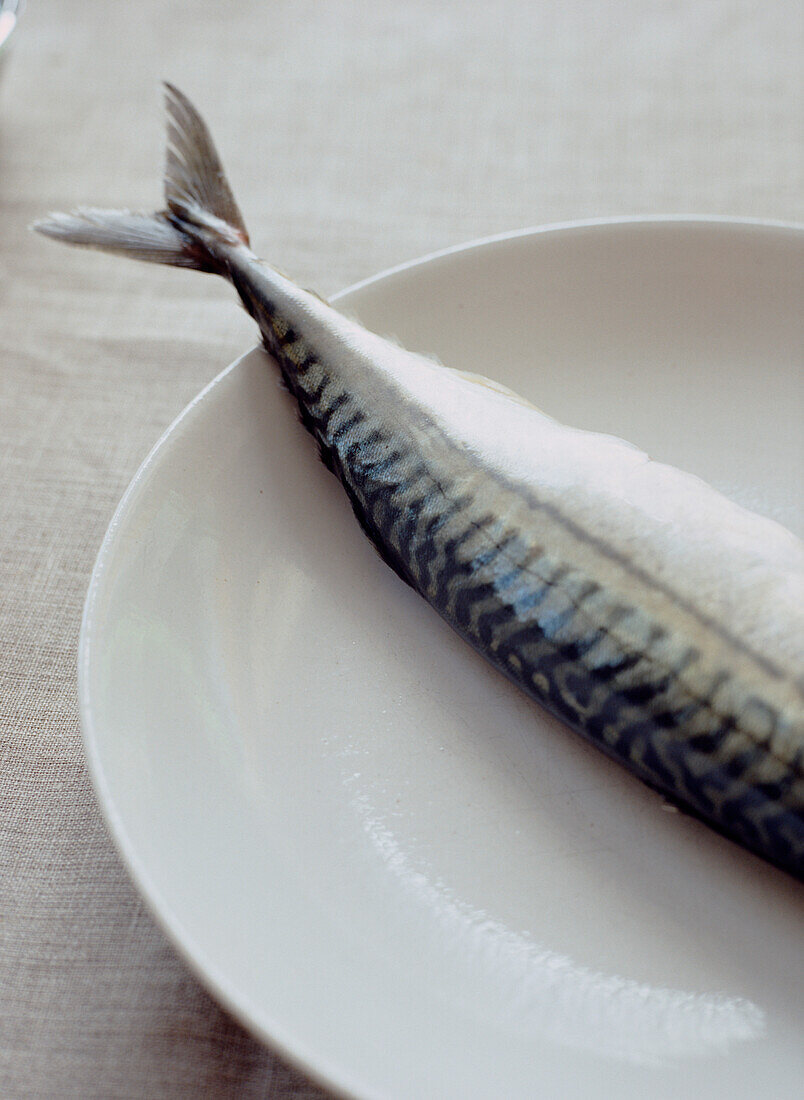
(450, 530)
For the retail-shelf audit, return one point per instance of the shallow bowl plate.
(370, 847)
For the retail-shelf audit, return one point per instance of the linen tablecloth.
(357, 135)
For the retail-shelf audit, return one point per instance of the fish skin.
(708, 727)
(639, 606)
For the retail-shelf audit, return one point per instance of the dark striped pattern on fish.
(552, 630)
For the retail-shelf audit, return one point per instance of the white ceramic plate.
(377, 853)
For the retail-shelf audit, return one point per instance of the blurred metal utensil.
(9, 15)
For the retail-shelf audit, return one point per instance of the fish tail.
(200, 219)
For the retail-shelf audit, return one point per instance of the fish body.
(644, 609)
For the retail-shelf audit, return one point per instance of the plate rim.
(337, 1078)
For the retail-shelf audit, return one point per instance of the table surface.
(357, 135)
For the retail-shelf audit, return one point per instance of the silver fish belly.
(640, 607)
(674, 696)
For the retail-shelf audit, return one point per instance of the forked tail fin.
(200, 214)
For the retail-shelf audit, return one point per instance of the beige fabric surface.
(357, 135)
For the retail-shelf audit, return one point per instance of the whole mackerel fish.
(648, 612)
